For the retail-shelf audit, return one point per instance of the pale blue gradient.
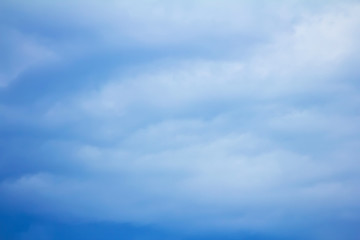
(179, 120)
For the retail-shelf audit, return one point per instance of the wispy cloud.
(202, 116)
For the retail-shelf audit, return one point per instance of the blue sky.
(179, 119)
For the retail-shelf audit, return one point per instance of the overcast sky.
(170, 119)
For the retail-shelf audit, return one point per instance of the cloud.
(189, 177)
(262, 136)
(21, 53)
(297, 62)
(158, 22)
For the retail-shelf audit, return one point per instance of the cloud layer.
(202, 116)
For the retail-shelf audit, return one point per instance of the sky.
(177, 119)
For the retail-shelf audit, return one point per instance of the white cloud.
(173, 163)
(320, 41)
(203, 183)
(297, 62)
(22, 53)
(189, 174)
(164, 23)
(315, 122)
